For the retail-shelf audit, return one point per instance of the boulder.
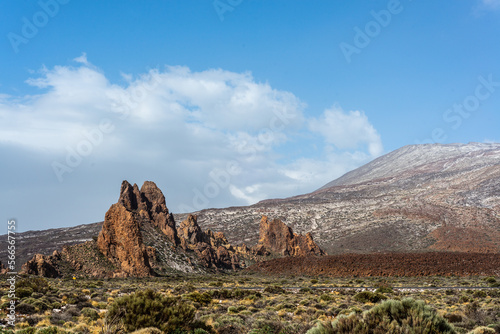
(42, 265)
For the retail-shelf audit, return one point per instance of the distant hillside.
(45, 242)
(418, 198)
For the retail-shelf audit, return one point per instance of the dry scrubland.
(252, 303)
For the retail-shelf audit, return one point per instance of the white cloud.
(176, 127)
(347, 130)
(82, 59)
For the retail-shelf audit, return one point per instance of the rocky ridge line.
(139, 238)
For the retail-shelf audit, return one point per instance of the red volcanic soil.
(388, 264)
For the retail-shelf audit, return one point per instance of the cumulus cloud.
(212, 138)
(347, 130)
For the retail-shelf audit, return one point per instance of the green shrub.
(368, 296)
(90, 313)
(490, 279)
(232, 309)
(36, 284)
(274, 289)
(50, 330)
(37, 295)
(151, 309)
(218, 284)
(480, 294)
(149, 330)
(200, 331)
(326, 297)
(392, 316)
(202, 298)
(24, 292)
(25, 308)
(453, 317)
(41, 306)
(184, 288)
(233, 294)
(384, 289)
(28, 330)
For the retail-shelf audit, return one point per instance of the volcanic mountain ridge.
(429, 197)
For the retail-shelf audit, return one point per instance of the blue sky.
(229, 102)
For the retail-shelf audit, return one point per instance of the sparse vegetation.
(238, 303)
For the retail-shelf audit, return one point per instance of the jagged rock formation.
(276, 237)
(43, 265)
(212, 248)
(120, 241)
(139, 238)
(428, 197)
(150, 204)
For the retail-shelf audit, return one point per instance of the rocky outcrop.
(190, 232)
(149, 203)
(43, 265)
(275, 237)
(83, 259)
(212, 248)
(120, 241)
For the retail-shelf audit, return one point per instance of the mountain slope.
(417, 198)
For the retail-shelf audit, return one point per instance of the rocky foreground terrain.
(429, 197)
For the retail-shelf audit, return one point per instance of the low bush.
(233, 294)
(25, 308)
(202, 298)
(406, 316)
(274, 289)
(368, 296)
(151, 309)
(36, 284)
(149, 330)
(90, 313)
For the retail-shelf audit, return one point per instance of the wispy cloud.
(485, 6)
(491, 4)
